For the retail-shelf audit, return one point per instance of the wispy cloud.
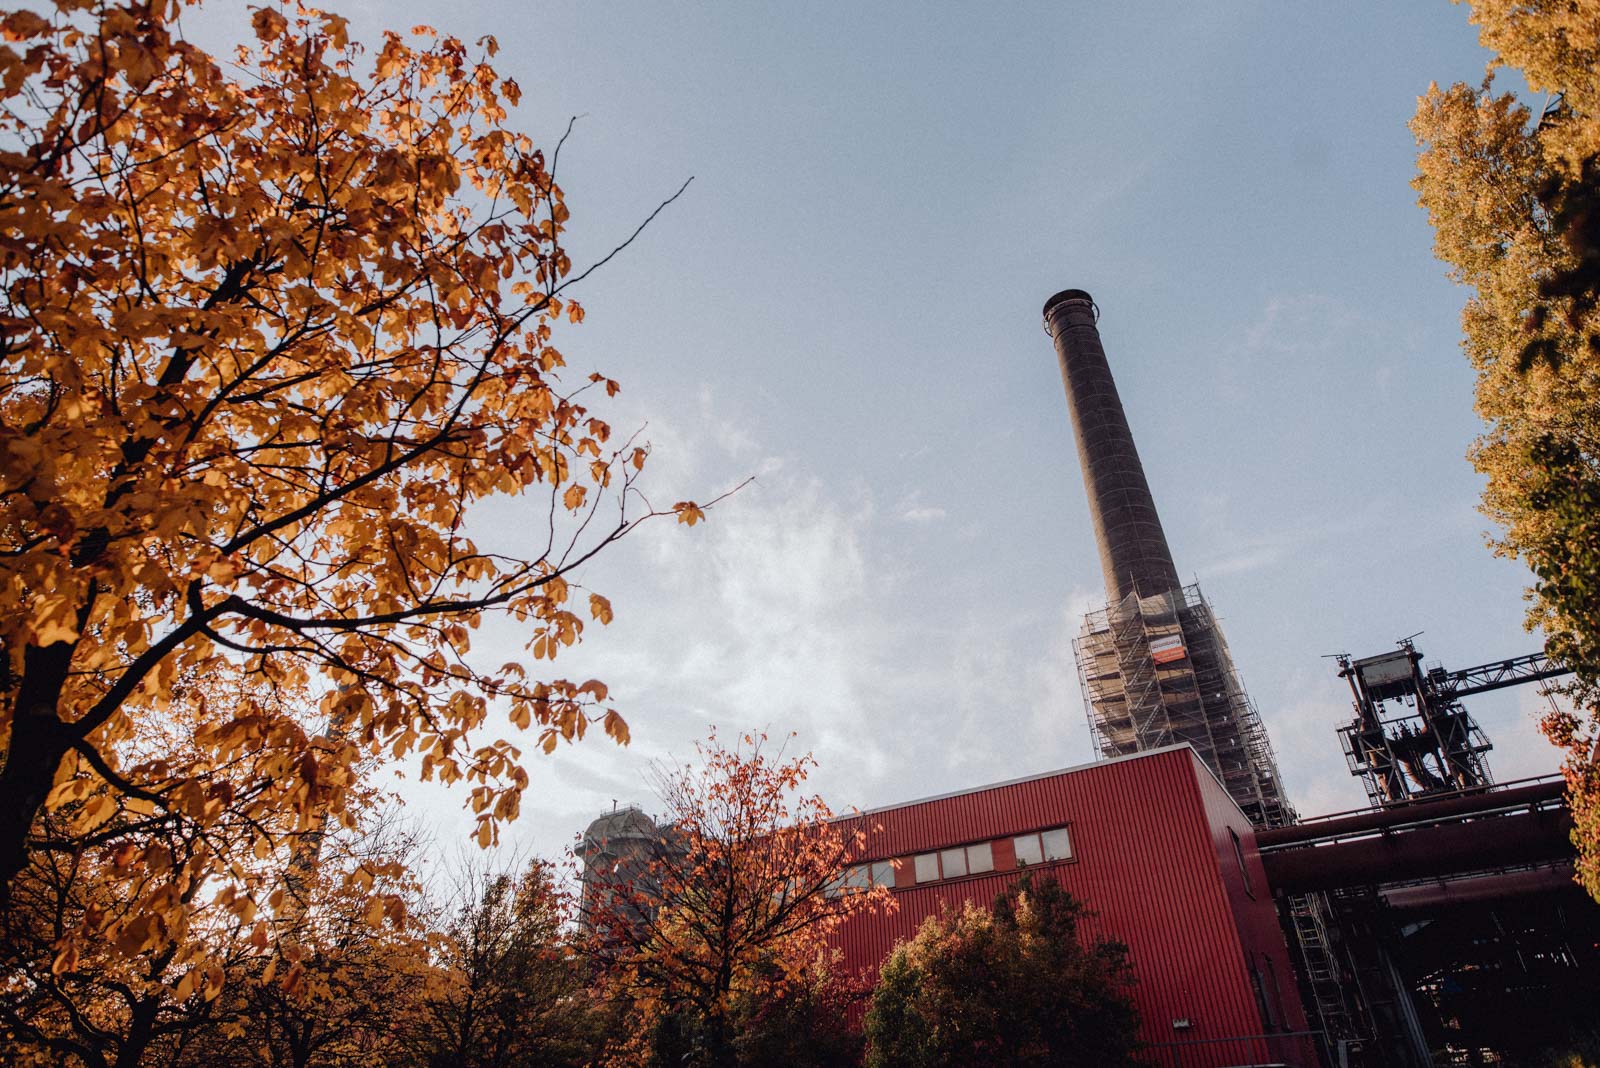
(1249, 558)
(912, 509)
(792, 609)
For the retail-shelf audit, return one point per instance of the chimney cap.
(1069, 294)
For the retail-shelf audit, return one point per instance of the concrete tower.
(1153, 664)
(615, 850)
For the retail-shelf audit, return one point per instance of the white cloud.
(1521, 750)
(911, 509)
(792, 608)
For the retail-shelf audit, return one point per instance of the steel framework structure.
(1410, 736)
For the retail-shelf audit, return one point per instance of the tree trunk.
(39, 740)
(141, 1029)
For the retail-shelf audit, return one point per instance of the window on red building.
(1054, 844)
(1238, 855)
(954, 863)
(862, 876)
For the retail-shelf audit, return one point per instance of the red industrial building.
(1154, 845)
(1439, 926)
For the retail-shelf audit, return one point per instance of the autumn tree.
(268, 331)
(1514, 198)
(509, 989)
(102, 1001)
(1018, 985)
(136, 936)
(731, 911)
(128, 920)
(346, 956)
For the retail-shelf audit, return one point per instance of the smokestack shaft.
(1133, 547)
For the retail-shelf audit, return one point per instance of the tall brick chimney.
(1133, 547)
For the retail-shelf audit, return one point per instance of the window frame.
(1037, 835)
(983, 847)
(944, 867)
(861, 877)
(1244, 869)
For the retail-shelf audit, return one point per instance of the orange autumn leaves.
(272, 327)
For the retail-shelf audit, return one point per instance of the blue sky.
(846, 304)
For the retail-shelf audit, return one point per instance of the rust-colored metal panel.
(1146, 860)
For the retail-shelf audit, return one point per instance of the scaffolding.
(1156, 671)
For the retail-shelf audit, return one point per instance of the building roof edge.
(1087, 765)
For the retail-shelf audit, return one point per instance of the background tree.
(345, 960)
(732, 911)
(1017, 985)
(79, 985)
(266, 335)
(128, 920)
(509, 989)
(811, 1023)
(140, 937)
(1514, 199)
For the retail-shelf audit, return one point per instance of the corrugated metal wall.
(1151, 856)
(1255, 911)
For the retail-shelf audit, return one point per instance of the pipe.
(1396, 816)
(1431, 852)
(1494, 886)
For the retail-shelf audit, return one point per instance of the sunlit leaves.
(273, 329)
(1513, 199)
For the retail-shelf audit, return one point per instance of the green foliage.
(805, 1025)
(802, 1025)
(1017, 986)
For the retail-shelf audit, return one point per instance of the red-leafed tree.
(729, 913)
